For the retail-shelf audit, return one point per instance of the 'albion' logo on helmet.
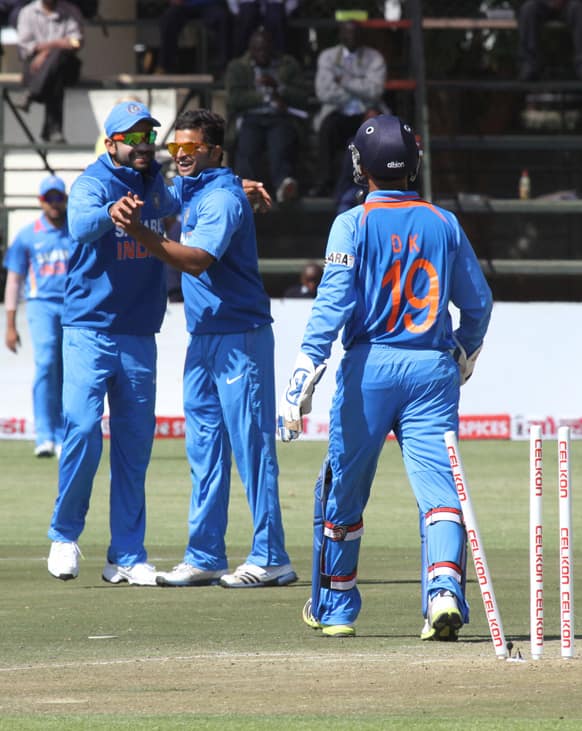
(397, 164)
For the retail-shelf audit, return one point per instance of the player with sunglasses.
(115, 303)
(229, 400)
(37, 259)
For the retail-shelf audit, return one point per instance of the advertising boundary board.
(524, 376)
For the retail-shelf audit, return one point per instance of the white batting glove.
(296, 401)
(466, 363)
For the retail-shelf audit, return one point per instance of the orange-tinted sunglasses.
(188, 148)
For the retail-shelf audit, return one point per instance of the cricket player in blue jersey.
(115, 300)
(393, 265)
(229, 400)
(38, 258)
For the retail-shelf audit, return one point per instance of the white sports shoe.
(46, 449)
(63, 560)
(444, 618)
(140, 574)
(184, 574)
(249, 576)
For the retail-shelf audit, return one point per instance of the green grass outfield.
(87, 655)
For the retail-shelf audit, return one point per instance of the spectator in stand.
(349, 82)
(38, 259)
(252, 14)
(50, 34)
(265, 97)
(214, 15)
(532, 15)
(309, 280)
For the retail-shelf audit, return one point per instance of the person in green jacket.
(266, 96)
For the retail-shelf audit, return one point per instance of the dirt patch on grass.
(440, 681)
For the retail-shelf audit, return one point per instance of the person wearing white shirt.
(349, 81)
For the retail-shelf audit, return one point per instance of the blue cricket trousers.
(229, 405)
(123, 368)
(44, 323)
(379, 389)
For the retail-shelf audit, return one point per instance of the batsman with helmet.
(393, 265)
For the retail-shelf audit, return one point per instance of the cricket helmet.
(386, 148)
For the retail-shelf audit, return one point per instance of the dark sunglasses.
(188, 148)
(54, 197)
(135, 138)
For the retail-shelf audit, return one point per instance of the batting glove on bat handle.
(296, 401)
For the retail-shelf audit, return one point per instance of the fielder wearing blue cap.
(127, 114)
(393, 266)
(52, 182)
(114, 304)
(37, 259)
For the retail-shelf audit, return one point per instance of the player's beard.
(139, 160)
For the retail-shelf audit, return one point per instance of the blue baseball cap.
(387, 147)
(52, 182)
(125, 114)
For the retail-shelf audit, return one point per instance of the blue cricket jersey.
(229, 296)
(39, 253)
(114, 283)
(393, 264)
